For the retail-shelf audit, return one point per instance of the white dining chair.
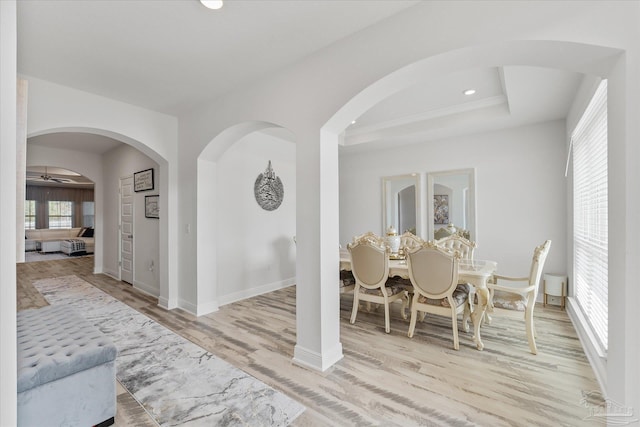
(524, 288)
(455, 242)
(370, 268)
(433, 272)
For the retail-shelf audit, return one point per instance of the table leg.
(478, 315)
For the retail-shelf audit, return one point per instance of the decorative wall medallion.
(268, 190)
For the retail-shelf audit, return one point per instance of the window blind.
(590, 215)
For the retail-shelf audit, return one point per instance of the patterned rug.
(177, 382)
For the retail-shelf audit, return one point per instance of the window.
(30, 214)
(88, 214)
(590, 216)
(60, 214)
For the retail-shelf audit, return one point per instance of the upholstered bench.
(66, 370)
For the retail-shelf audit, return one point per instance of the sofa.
(66, 370)
(50, 239)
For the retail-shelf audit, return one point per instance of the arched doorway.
(243, 250)
(575, 57)
(104, 157)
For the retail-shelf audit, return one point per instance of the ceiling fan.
(48, 178)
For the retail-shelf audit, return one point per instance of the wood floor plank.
(383, 379)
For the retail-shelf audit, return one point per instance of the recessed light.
(469, 92)
(212, 4)
(353, 122)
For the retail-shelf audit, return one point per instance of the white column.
(317, 216)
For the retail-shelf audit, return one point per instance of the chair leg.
(466, 316)
(530, 328)
(454, 326)
(412, 323)
(405, 304)
(489, 307)
(356, 301)
(387, 325)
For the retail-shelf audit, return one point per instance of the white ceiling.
(171, 56)
(56, 177)
(505, 97)
(90, 143)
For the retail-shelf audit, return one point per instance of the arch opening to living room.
(104, 157)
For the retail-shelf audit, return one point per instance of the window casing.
(590, 216)
(30, 215)
(88, 214)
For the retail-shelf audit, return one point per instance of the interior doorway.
(126, 229)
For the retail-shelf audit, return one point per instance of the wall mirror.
(451, 198)
(400, 203)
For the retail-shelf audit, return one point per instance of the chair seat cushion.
(509, 301)
(400, 282)
(459, 297)
(391, 290)
(346, 278)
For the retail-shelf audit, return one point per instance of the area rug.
(178, 382)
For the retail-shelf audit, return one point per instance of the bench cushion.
(55, 342)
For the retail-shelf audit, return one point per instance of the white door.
(126, 229)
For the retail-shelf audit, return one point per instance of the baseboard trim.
(188, 307)
(316, 361)
(206, 308)
(146, 288)
(253, 292)
(167, 304)
(113, 274)
(597, 361)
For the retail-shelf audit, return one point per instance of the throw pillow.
(81, 232)
(88, 232)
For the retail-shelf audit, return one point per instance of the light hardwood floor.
(384, 379)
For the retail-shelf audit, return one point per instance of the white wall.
(122, 162)
(255, 252)
(8, 89)
(520, 189)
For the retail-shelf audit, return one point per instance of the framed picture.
(441, 209)
(143, 180)
(151, 209)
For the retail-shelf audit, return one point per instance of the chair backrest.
(433, 271)
(539, 258)
(371, 237)
(410, 240)
(458, 243)
(369, 260)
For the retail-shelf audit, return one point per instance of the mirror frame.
(415, 177)
(431, 180)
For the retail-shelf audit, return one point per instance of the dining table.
(475, 272)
